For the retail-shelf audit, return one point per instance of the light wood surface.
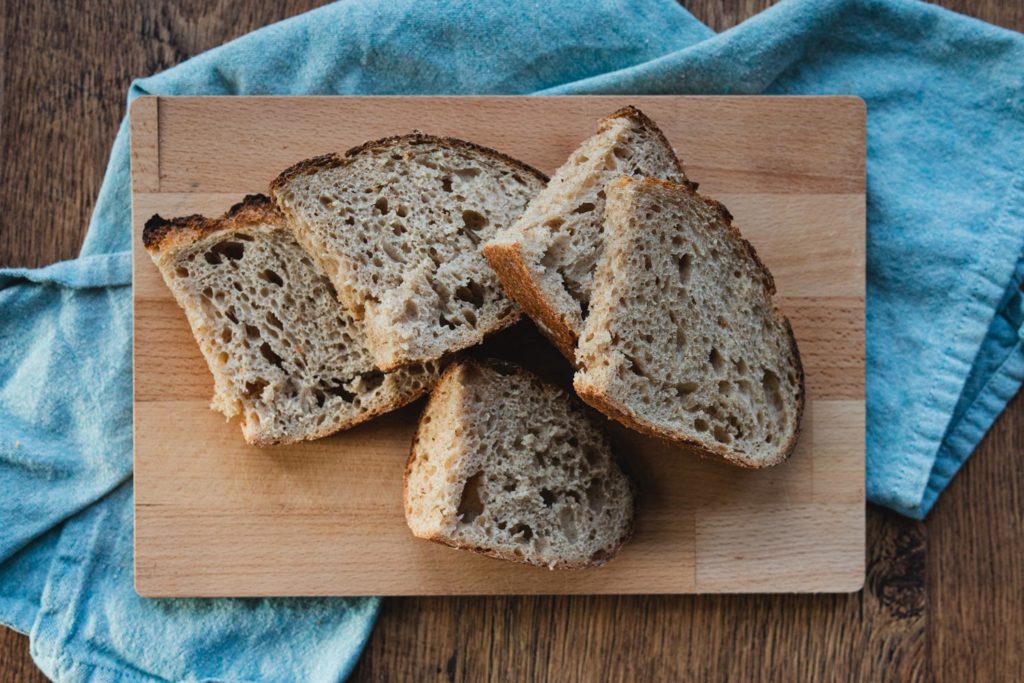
(215, 517)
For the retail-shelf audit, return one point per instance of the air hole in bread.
(722, 434)
(446, 184)
(471, 503)
(472, 293)
(585, 207)
(271, 357)
(474, 220)
(686, 388)
(392, 253)
(547, 497)
(254, 389)
(555, 223)
(372, 380)
(596, 494)
(724, 388)
(467, 174)
(228, 249)
(327, 201)
(338, 389)
(772, 388)
(181, 271)
(700, 424)
(685, 265)
(270, 276)
(521, 532)
(716, 360)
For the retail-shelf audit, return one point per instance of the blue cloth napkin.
(945, 99)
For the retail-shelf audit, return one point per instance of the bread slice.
(285, 355)
(397, 224)
(510, 467)
(684, 340)
(546, 260)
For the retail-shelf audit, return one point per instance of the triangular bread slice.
(546, 260)
(513, 468)
(285, 355)
(684, 340)
(398, 224)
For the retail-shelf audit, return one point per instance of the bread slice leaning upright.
(684, 340)
(546, 260)
(285, 355)
(398, 224)
(508, 466)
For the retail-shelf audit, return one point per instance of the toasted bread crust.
(631, 420)
(507, 261)
(611, 551)
(165, 234)
(335, 159)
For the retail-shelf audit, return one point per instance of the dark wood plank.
(975, 562)
(60, 103)
(878, 634)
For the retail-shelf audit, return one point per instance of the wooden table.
(942, 599)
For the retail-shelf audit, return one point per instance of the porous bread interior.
(285, 355)
(509, 466)
(399, 229)
(683, 333)
(560, 235)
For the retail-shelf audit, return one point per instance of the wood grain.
(274, 514)
(926, 581)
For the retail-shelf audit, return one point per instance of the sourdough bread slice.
(546, 260)
(398, 225)
(508, 466)
(285, 355)
(684, 340)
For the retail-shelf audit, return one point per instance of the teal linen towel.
(945, 100)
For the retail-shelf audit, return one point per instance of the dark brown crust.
(505, 366)
(507, 261)
(160, 233)
(631, 420)
(335, 159)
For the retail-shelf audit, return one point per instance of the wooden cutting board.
(214, 517)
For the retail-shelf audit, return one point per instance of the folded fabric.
(946, 234)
